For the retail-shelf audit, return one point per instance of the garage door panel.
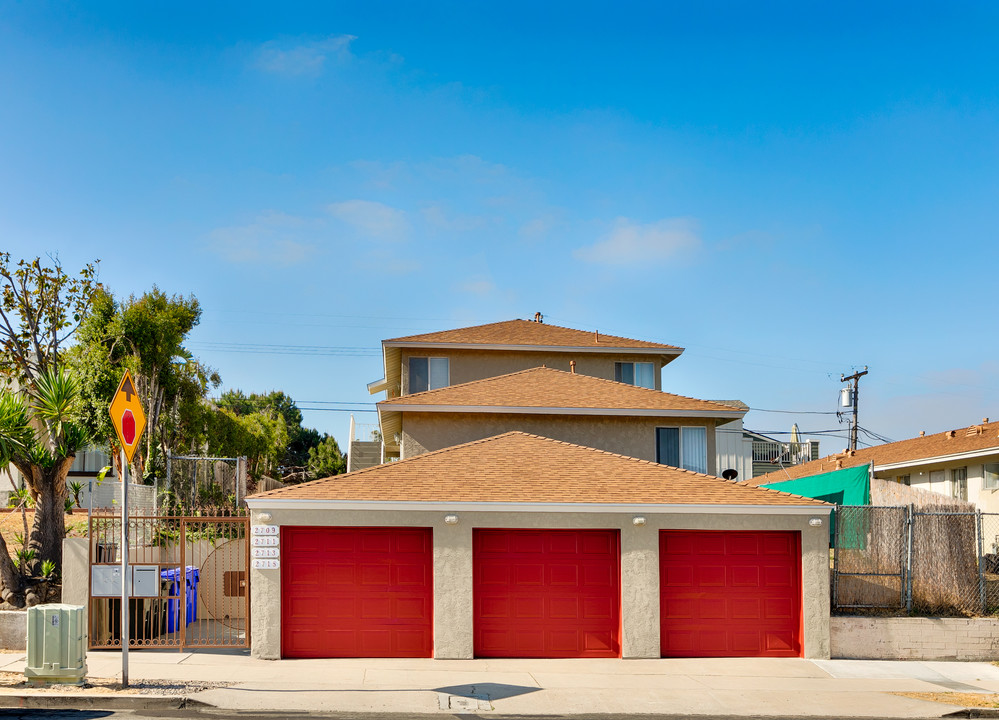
(529, 574)
(599, 575)
(754, 611)
(711, 576)
(746, 609)
(532, 543)
(528, 608)
(775, 577)
(563, 575)
(778, 609)
(679, 576)
(600, 608)
(747, 577)
(566, 543)
(562, 601)
(356, 592)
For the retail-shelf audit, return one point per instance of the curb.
(79, 701)
(974, 713)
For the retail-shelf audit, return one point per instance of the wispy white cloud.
(539, 227)
(373, 219)
(480, 285)
(633, 243)
(303, 58)
(437, 219)
(272, 238)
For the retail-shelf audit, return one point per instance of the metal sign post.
(129, 422)
(124, 571)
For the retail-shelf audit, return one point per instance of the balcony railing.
(791, 453)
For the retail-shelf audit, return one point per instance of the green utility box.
(56, 644)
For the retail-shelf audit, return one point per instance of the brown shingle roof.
(550, 388)
(950, 442)
(528, 333)
(517, 467)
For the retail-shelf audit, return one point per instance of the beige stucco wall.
(986, 499)
(631, 436)
(453, 609)
(468, 365)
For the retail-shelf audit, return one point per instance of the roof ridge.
(595, 332)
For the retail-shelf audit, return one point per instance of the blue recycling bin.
(191, 578)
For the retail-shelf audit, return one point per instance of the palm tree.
(39, 436)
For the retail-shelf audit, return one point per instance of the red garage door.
(356, 592)
(730, 594)
(547, 593)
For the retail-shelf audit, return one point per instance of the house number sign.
(266, 552)
(265, 564)
(265, 529)
(265, 541)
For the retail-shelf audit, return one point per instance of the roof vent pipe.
(539, 318)
(922, 433)
(985, 421)
(572, 366)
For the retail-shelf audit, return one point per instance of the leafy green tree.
(300, 439)
(261, 437)
(326, 459)
(146, 335)
(40, 309)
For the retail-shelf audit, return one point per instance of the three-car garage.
(413, 559)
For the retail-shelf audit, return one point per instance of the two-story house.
(589, 388)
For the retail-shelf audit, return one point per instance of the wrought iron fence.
(189, 585)
(922, 561)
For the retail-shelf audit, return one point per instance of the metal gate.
(189, 582)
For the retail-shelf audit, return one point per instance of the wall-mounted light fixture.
(815, 522)
(450, 519)
(264, 517)
(638, 521)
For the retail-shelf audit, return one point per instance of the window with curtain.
(641, 374)
(991, 476)
(683, 447)
(428, 374)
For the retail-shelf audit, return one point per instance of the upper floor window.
(641, 374)
(683, 447)
(991, 479)
(428, 373)
(904, 480)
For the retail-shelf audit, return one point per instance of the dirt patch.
(11, 525)
(12, 683)
(981, 700)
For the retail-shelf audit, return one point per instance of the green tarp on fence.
(851, 486)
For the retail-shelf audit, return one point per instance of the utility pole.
(856, 402)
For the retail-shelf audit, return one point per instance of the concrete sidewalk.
(747, 687)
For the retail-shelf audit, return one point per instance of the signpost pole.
(124, 571)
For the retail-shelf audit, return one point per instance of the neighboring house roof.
(518, 468)
(547, 391)
(531, 334)
(970, 442)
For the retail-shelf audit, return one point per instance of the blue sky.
(786, 190)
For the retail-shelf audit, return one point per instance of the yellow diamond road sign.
(127, 417)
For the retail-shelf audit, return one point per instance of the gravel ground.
(13, 683)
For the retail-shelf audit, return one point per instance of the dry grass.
(11, 525)
(979, 700)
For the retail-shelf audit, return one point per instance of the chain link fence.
(209, 485)
(926, 561)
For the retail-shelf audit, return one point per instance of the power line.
(796, 412)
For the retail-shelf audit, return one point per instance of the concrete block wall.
(864, 638)
(13, 629)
